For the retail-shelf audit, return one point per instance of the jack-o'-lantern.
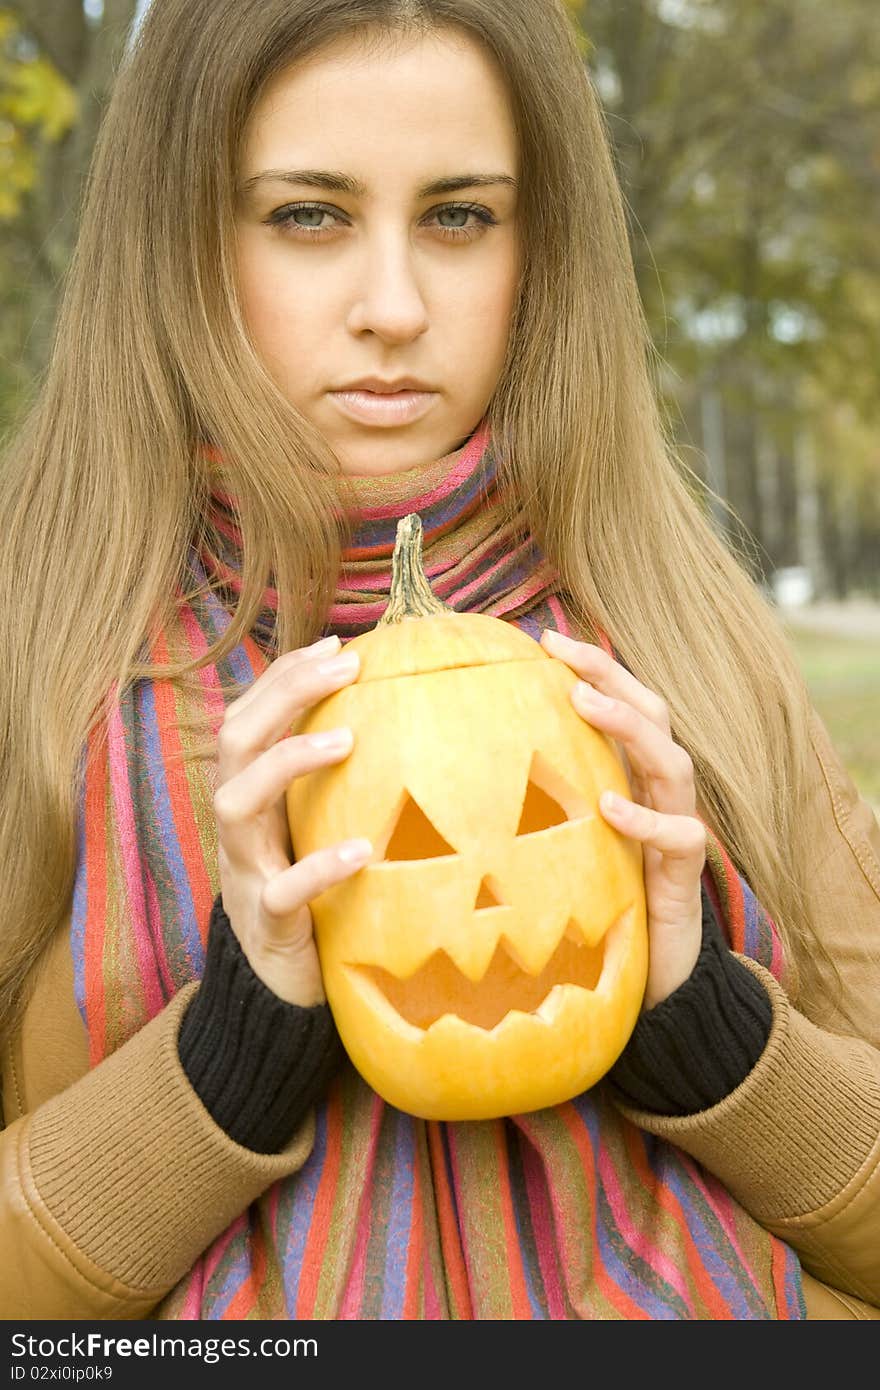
(491, 957)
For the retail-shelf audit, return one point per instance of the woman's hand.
(266, 896)
(662, 816)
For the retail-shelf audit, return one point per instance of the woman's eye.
(465, 212)
(306, 220)
(287, 217)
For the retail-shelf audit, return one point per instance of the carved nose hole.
(488, 895)
(549, 799)
(413, 836)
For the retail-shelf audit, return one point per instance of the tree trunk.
(767, 477)
(712, 423)
(809, 509)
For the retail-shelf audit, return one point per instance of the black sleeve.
(694, 1048)
(256, 1062)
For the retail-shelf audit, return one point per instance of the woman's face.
(376, 234)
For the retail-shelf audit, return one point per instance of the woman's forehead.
(439, 94)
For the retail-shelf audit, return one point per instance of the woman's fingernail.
(345, 664)
(331, 738)
(355, 851)
(610, 801)
(591, 696)
(551, 638)
(324, 644)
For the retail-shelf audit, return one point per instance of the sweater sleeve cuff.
(690, 1051)
(256, 1062)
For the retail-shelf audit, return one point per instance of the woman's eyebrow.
(343, 183)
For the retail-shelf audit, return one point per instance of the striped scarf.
(567, 1212)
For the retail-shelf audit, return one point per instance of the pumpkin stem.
(411, 595)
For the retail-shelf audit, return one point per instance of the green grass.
(843, 677)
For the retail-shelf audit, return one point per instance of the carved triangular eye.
(549, 799)
(539, 811)
(413, 836)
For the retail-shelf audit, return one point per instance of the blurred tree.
(748, 144)
(35, 100)
(57, 61)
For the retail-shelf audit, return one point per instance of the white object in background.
(793, 586)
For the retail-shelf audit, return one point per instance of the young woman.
(340, 262)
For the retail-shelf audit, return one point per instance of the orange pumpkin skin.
(491, 957)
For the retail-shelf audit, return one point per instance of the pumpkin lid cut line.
(466, 662)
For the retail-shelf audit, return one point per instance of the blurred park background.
(747, 139)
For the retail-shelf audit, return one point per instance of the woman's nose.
(388, 298)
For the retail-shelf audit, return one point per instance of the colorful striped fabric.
(567, 1212)
(473, 562)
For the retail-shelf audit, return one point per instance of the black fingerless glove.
(256, 1062)
(690, 1051)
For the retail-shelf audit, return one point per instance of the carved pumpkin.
(491, 957)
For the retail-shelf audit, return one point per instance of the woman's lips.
(393, 408)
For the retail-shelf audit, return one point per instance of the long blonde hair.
(104, 484)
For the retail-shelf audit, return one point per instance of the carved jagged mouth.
(438, 987)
